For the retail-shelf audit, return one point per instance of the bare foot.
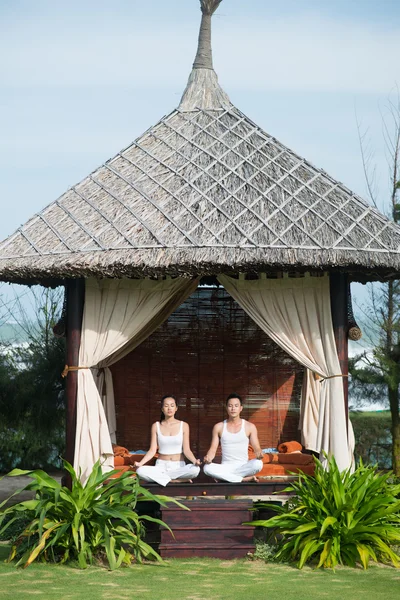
(250, 478)
(181, 481)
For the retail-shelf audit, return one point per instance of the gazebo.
(204, 196)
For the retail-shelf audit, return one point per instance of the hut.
(205, 196)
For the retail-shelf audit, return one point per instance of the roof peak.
(203, 90)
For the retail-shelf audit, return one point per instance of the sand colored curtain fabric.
(118, 315)
(177, 294)
(296, 314)
(105, 387)
(309, 410)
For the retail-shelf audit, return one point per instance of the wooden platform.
(213, 526)
(198, 489)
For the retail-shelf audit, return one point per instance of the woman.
(171, 437)
(234, 434)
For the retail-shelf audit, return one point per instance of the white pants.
(165, 470)
(233, 471)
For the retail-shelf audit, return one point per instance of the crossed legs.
(234, 472)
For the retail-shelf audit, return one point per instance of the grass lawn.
(196, 579)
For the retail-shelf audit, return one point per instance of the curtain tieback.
(67, 369)
(321, 379)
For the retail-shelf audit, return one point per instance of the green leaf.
(43, 479)
(308, 551)
(364, 554)
(303, 528)
(17, 473)
(327, 522)
(38, 548)
(323, 559)
(110, 547)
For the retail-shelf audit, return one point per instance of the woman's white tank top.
(235, 446)
(170, 444)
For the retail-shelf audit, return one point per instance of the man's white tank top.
(235, 446)
(170, 444)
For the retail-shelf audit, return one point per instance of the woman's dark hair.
(162, 402)
(231, 396)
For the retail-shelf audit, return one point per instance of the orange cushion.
(270, 458)
(120, 471)
(277, 469)
(295, 458)
(120, 450)
(290, 447)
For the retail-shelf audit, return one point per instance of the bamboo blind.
(207, 349)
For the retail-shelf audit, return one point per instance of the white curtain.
(296, 314)
(118, 315)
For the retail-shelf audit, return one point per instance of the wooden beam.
(75, 291)
(339, 308)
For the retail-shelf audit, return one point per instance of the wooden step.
(211, 528)
(201, 551)
(230, 536)
(209, 513)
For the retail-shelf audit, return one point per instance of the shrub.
(338, 518)
(96, 520)
(265, 552)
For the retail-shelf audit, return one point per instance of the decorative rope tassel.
(321, 379)
(67, 369)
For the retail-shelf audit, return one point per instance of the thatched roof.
(203, 191)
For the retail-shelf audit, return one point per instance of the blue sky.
(79, 80)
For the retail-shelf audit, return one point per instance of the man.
(234, 434)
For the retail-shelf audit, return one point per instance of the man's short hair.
(231, 396)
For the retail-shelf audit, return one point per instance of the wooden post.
(339, 308)
(75, 290)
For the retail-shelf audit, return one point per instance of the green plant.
(338, 518)
(96, 520)
(264, 551)
(11, 533)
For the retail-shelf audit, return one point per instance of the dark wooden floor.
(253, 490)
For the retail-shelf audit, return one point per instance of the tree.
(380, 369)
(32, 412)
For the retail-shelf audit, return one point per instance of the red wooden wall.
(207, 349)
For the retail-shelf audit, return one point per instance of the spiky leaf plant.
(90, 521)
(338, 518)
